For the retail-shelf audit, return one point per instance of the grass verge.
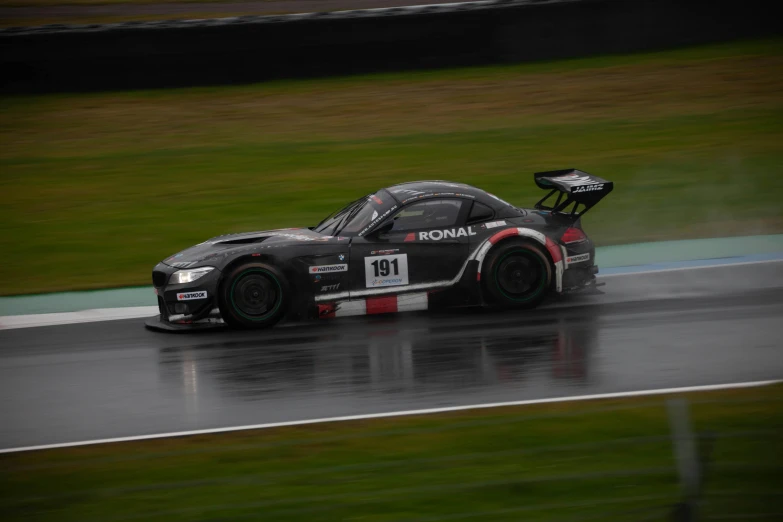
(96, 188)
(602, 460)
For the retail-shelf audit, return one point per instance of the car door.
(422, 245)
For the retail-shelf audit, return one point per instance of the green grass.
(602, 460)
(96, 188)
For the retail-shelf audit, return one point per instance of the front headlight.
(188, 276)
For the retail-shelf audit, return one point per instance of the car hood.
(222, 246)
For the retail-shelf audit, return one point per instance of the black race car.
(413, 246)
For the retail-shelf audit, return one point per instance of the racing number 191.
(383, 267)
(391, 270)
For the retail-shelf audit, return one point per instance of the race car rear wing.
(573, 187)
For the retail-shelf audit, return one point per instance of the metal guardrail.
(249, 49)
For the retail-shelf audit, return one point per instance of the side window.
(439, 213)
(479, 213)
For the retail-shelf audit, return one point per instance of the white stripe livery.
(557, 252)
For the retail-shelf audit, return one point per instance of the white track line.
(85, 316)
(615, 395)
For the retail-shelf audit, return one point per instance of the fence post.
(688, 466)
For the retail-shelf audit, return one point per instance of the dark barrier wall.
(263, 48)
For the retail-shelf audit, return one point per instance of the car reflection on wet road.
(386, 359)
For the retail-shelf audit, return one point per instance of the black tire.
(253, 295)
(516, 274)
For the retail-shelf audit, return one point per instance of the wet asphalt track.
(659, 330)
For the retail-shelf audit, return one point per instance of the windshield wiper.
(347, 219)
(332, 218)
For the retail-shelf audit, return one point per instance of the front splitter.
(157, 324)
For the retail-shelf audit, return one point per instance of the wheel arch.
(551, 249)
(275, 261)
(275, 270)
(247, 258)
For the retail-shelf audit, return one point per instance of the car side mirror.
(384, 229)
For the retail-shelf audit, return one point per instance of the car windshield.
(357, 216)
(333, 221)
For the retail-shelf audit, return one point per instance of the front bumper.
(187, 303)
(159, 324)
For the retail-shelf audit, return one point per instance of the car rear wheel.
(516, 274)
(253, 295)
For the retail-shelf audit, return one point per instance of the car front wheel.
(253, 295)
